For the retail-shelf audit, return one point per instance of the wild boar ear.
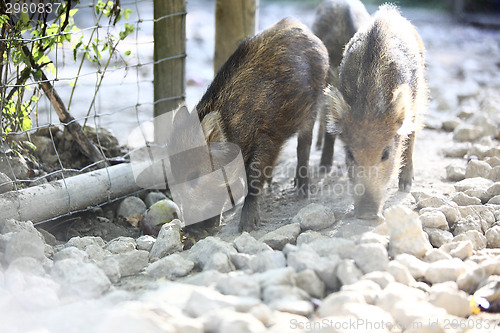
(211, 127)
(399, 109)
(335, 107)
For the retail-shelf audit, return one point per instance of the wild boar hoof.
(405, 185)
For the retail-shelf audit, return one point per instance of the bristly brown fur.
(268, 90)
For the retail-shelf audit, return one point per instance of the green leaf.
(127, 52)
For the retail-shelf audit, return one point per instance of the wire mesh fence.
(97, 57)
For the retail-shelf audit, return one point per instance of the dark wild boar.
(336, 21)
(382, 91)
(268, 90)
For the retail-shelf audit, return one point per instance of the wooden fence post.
(235, 20)
(169, 56)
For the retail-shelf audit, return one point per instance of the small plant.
(29, 32)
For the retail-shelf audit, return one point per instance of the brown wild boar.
(336, 21)
(381, 93)
(268, 90)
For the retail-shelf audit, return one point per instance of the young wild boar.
(336, 21)
(381, 93)
(268, 90)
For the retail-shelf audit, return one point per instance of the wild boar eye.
(385, 154)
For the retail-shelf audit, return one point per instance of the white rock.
(406, 234)
(204, 249)
(416, 267)
(238, 284)
(431, 202)
(219, 261)
(434, 219)
(473, 183)
(132, 262)
(468, 223)
(381, 278)
(314, 217)
(241, 261)
(145, 242)
(371, 257)
(202, 300)
(455, 172)
(493, 190)
(372, 237)
(24, 244)
(400, 273)
(170, 267)
(450, 124)
(476, 168)
(435, 255)
(459, 249)
(333, 246)
(273, 293)
(204, 278)
(451, 213)
(444, 270)
(131, 206)
(167, 242)
(485, 215)
(27, 265)
(463, 199)
(467, 133)
(365, 318)
(241, 322)
(245, 243)
(475, 237)
(493, 161)
(121, 245)
(494, 174)
(455, 302)
(153, 197)
(110, 266)
(348, 272)
(71, 253)
(494, 200)
(438, 237)
(428, 316)
(83, 279)
(278, 276)
(309, 236)
(267, 260)
(334, 302)
(369, 289)
(493, 237)
(83, 242)
(395, 292)
(457, 150)
(308, 281)
(478, 193)
(278, 238)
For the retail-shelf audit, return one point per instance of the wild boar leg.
(406, 174)
(303, 151)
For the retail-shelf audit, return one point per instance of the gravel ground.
(432, 266)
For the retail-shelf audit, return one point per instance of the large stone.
(170, 267)
(132, 262)
(444, 270)
(241, 322)
(477, 239)
(463, 199)
(267, 260)
(400, 273)
(438, 237)
(348, 272)
(245, 243)
(380, 278)
(308, 281)
(238, 284)
(314, 217)
(454, 301)
(416, 267)
(131, 206)
(161, 212)
(168, 241)
(406, 234)
(493, 237)
(83, 279)
(278, 238)
(334, 302)
(121, 245)
(371, 257)
(458, 249)
(434, 219)
(154, 197)
(455, 173)
(369, 289)
(473, 183)
(24, 244)
(476, 168)
(467, 133)
(221, 262)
